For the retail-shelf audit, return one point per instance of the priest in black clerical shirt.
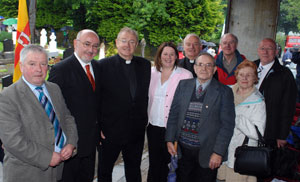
(123, 97)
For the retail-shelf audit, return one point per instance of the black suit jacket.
(185, 63)
(81, 100)
(123, 118)
(280, 91)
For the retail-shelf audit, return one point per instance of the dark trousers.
(132, 156)
(159, 157)
(1, 152)
(190, 170)
(79, 169)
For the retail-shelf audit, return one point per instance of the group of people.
(109, 105)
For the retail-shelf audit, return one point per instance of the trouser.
(79, 169)
(132, 156)
(159, 157)
(189, 168)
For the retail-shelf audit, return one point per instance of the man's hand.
(171, 148)
(55, 160)
(67, 152)
(215, 161)
(281, 143)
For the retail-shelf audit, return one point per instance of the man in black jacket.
(124, 83)
(76, 76)
(278, 86)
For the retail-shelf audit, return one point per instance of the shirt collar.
(267, 66)
(31, 86)
(83, 64)
(204, 85)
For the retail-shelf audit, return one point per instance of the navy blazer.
(217, 119)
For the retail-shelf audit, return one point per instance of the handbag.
(253, 160)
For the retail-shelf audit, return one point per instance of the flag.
(23, 36)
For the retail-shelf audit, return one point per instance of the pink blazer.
(180, 74)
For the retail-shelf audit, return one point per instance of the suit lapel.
(81, 72)
(32, 101)
(210, 97)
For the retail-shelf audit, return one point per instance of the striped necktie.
(198, 91)
(259, 71)
(58, 133)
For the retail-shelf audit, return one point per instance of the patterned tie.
(90, 76)
(199, 90)
(259, 71)
(58, 133)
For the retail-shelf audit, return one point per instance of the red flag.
(23, 36)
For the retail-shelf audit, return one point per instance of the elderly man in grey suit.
(36, 128)
(201, 119)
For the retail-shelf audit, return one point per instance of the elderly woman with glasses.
(165, 76)
(250, 111)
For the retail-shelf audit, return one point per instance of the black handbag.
(253, 161)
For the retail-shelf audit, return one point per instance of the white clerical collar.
(192, 61)
(128, 61)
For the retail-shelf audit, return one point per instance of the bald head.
(267, 51)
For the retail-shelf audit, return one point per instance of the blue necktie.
(58, 133)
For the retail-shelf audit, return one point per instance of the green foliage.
(158, 20)
(111, 50)
(56, 17)
(5, 35)
(289, 18)
(9, 8)
(280, 39)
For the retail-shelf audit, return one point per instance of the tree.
(9, 8)
(289, 17)
(182, 17)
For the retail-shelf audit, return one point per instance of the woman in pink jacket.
(165, 76)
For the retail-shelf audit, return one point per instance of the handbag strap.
(261, 141)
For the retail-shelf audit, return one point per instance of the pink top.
(179, 74)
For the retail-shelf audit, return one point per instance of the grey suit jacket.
(28, 135)
(217, 118)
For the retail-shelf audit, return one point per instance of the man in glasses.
(124, 84)
(201, 120)
(76, 76)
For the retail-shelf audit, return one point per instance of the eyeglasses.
(266, 49)
(124, 41)
(207, 65)
(89, 45)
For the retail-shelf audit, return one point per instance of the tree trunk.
(31, 5)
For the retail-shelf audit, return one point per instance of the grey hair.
(191, 35)
(85, 31)
(208, 55)
(129, 30)
(32, 48)
(232, 35)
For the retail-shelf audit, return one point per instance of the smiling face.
(168, 57)
(246, 78)
(86, 46)
(34, 68)
(228, 45)
(192, 47)
(204, 68)
(126, 44)
(267, 51)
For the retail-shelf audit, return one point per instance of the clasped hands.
(64, 154)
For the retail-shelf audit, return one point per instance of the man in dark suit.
(124, 84)
(36, 127)
(201, 119)
(76, 76)
(278, 86)
(192, 47)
